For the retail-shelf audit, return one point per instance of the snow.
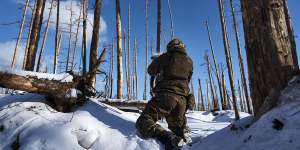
(277, 130)
(35, 125)
(28, 122)
(64, 77)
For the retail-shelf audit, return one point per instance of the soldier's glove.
(190, 102)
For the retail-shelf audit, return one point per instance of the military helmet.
(175, 44)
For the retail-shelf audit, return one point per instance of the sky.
(189, 17)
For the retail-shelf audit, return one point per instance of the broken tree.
(271, 52)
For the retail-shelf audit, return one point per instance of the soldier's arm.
(191, 72)
(153, 68)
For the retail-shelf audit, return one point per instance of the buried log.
(65, 94)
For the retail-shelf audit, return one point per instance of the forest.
(77, 75)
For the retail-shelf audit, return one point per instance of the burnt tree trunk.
(95, 41)
(35, 35)
(158, 29)
(29, 33)
(270, 51)
(241, 62)
(228, 58)
(146, 49)
(119, 51)
(44, 39)
(57, 37)
(20, 34)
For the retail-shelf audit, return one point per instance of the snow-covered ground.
(27, 122)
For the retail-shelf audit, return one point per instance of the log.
(56, 91)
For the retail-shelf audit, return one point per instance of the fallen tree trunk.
(57, 91)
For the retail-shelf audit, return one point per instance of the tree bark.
(57, 35)
(215, 62)
(76, 40)
(158, 32)
(35, 35)
(202, 108)
(84, 22)
(54, 89)
(270, 51)
(29, 33)
(228, 57)
(119, 52)
(70, 37)
(146, 49)
(241, 63)
(44, 38)
(95, 41)
(20, 34)
(171, 20)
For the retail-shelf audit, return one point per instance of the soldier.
(173, 71)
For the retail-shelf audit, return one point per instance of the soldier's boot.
(187, 131)
(170, 140)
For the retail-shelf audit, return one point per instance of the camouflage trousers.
(168, 105)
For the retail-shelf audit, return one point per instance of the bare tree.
(213, 96)
(207, 96)
(158, 32)
(35, 35)
(200, 96)
(29, 33)
(128, 53)
(76, 40)
(57, 34)
(215, 62)
(171, 20)
(270, 51)
(119, 51)
(44, 38)
(95, 41)
(228, 57)
(241, 63)
(146, 48)
(135, 68)
(20, 34)
(84, 26)
(70, 36)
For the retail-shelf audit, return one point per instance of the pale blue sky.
(189, 17)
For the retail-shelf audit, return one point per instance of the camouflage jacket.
(173, 71)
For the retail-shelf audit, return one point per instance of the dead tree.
(55, 90)
(57, 35)
(270, 51)
(213, 96)
(135, 68)
(84, 28)
(128, 53)
(146, 49)
(95, 41)
(200, 97)
(127, 74)
(119, 51)
(228, 57)
(76, 40)
(171, 20)
(13, 63)
(111, 68)
(207, 96)
(70, 37)
(35, 35)
(224, 91)
(241, 63)
(29, 33)
(158, 32)
(44, 38)
(215, 62)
